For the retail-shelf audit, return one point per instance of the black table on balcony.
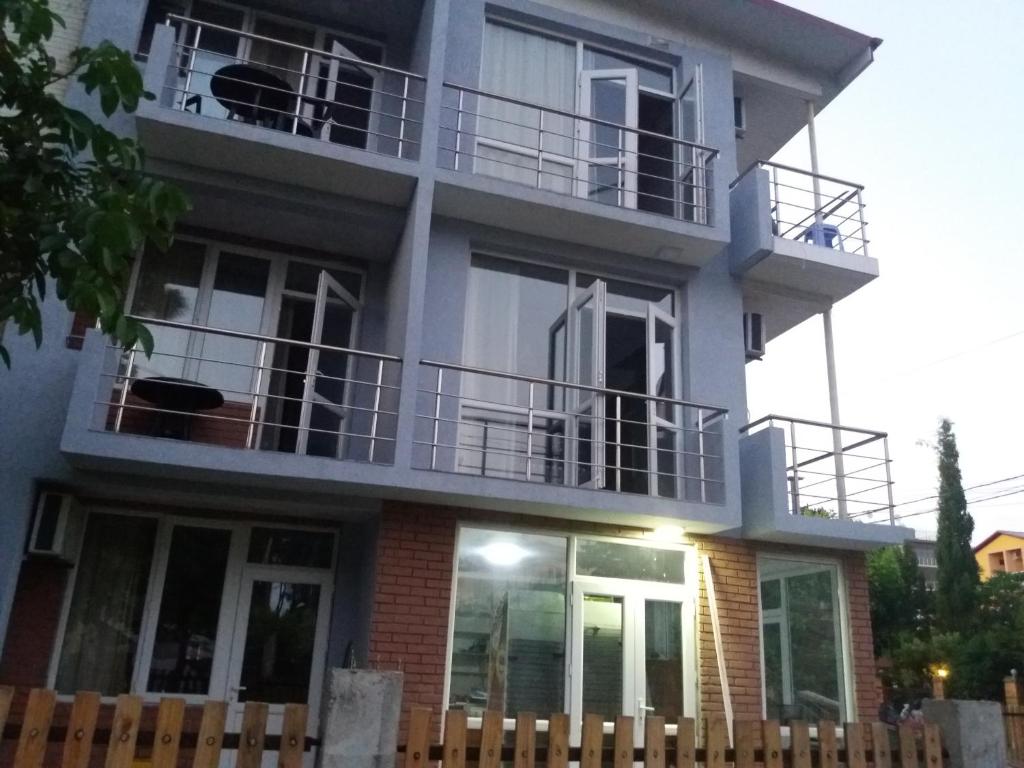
(257, 97)
(177, 401)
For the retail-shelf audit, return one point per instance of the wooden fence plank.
(800, 744)
(490, 739)
(453, 753)
(654, 742)
(417, 746)
(526, 740)
(772, 741)
(880, 746)
(6, 696)
(211, 735)
(558, 741)
(908, 746)
(686, 743)
(293, 736)
(828, 746)
(745, 734)
(622, 757)
(932, 746)
(717, 742)
(124, 731)
(853, 736)
(81, 729)
(170, 717)
(34, 729)
(251, 735)
(591, 741)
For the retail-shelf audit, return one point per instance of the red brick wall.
(865, 691)
(734, 569)
(35, 615)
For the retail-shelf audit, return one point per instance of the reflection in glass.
(663, 658)
(602, 655)
(102, 635)
(508, 642)
(610, 559)
(279, 638)
(186, 632)
(282, 546)
(804, 676)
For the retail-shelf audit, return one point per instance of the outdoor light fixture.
(503, 553)
(667, 533)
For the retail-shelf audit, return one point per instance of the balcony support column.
(833, 401)
(812, 138)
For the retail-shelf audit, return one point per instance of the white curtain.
(536, 69)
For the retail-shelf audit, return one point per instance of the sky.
(932, 130)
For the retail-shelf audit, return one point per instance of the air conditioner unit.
(754, 336)
(52, 527)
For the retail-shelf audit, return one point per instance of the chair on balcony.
(827, 235)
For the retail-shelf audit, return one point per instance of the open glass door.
(344, 93)
(663, 419)
(587, 410)
(325, 408)
(607, 149)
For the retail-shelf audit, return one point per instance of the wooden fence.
(127, 744)
(755, 743)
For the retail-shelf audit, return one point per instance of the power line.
(935, 496)
(970, 501)
(954, 356)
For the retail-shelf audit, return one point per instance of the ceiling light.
(667, 533)
(503, 553)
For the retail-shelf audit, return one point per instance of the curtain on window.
(102, 633)
(535, 69)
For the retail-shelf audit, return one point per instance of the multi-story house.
(450, 370)
(1000, 552)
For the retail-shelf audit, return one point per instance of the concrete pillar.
(360, 719)
(972, 731)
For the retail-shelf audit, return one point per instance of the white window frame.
(813, 563)
(230, 590)
(688, 591)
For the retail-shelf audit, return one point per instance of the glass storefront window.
(595, 557)
(804, 665)
(508, 650)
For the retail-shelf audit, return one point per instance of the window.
(508, 640)
(155, 608)
(801, 632)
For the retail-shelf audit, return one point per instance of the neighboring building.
(1000, 552)
(459, 322)
(923, 545)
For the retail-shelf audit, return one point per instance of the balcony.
(496, 432)
(520, 165)
(316, 117)
(797, 230)
(808, 482)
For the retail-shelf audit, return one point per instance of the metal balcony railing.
(495, 424)
(575, 155)
(816, 209)
(853, 481)
(249, 391)
(283, 86)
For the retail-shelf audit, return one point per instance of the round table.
(177, 401)
(257, 96)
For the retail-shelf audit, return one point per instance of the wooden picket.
(755, 743)
(128, 744)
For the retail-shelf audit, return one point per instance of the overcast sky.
(932, 129)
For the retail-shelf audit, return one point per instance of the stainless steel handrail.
(261, 337)
(719, 410)
(575, 116)
(793, 169)
(810, 423)
(296, 46)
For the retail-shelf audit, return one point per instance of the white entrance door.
(607, 149)
(632, 652)
(279, 646)
(324, 403)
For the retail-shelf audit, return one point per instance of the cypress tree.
(956, 594)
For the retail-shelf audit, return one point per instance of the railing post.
(618, 442)
(301, 92)
(405, 105)
(256, 396)
(437, 418)
(376, 409)
(795, 482)
(191, 66)
(529, 435)
(458, 128)
(540, 147)
(863, 224)
(700, 456)
(888, 480)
